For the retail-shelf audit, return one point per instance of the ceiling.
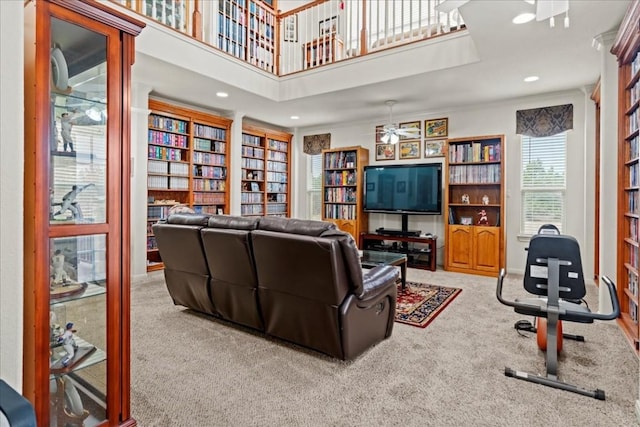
(563, 58)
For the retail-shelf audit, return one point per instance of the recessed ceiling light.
(523, 18)
(222, 94)
(295, 117)
(531, 79)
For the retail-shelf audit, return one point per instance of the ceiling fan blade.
(448, 5)
(409, 132)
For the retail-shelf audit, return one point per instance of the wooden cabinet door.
(348, 226)
(486, 249)
(460, 246)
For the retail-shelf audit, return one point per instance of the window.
(314, 187)
(543, 182)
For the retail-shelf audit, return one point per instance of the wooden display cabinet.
(78, 58)
(342, 180)
(474, 205)
(627, 49)
(266, 171)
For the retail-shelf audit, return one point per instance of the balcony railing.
(318, 33)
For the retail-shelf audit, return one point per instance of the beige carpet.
(189, 370)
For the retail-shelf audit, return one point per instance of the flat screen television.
(403, 189)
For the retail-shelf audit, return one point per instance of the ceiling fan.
(391, 132)
(545, 9)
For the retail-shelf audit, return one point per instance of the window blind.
(543, 182)
(314, 187)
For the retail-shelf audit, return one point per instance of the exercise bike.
(554, 274)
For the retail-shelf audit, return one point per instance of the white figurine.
(465, 199)
(485, 200)
(58, 273)
(69, 200)
(68, 343)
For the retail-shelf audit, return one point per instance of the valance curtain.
(314, 144)
(547, 121)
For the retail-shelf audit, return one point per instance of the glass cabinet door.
(78, 199)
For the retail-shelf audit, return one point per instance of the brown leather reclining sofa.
(297, 280)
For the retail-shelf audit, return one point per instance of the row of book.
(205, 131)
(632, 283)
(263, 29)
(210, 171)
(165, 153)
(209, 158)
(209, 145)
(634, 93)
(635, 65)
(257, 209)
(633, 175)
(633, 120)
(207, 209)
(253, 152)
(248, 163)
(340, 211)
(340, 178)
(151, 243)
(208, 198)
(340, 194)
(276, 166)
(276, 209)
(164, 138)
(231, 47)
(209, 185)
(166, 123)
(274, 144)
(475, 174)
(167, 183)
(278, 156)
(247, 197)
(633, 256)
(232, 29)
(251, 140)
(474, 152)
(261, 13)
(339, 160)
(235, 9)
(277, 177)
(157, 212)
(276, 187)
(632, 201)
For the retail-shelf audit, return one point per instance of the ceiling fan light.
(394, 138)
(385, 138)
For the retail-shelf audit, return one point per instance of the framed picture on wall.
(413, 128)
(410, 150)
(385, 152)
(436, 128)
(379, 133)
(434, 148)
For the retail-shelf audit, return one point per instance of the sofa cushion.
(233, 222)
(305, 227)
(351, 256)
(188, 219)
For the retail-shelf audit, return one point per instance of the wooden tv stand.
(423, 257)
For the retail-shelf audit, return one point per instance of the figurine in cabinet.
(68, 343)
(483, 220)
(465, 199)
(485, 200)
(66, 125)
(69, 203)
(58, 274)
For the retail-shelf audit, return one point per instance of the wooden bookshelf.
(342, 180)
(266, 172)
(323, 50)
(474, 178)
(627, 50)
(187, 164)
(247, 30)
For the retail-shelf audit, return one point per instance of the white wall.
(490, 119)
(11, 190)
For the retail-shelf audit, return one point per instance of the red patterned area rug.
(420, 303)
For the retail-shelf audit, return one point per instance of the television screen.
(415, 188)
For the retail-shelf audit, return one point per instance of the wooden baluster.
(196, 30)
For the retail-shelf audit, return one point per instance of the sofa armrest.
(378, 280)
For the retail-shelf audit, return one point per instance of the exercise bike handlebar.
(615, 305)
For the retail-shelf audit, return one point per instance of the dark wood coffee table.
(370, 259)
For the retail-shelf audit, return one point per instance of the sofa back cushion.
(302, 282)
(234, 287)
(305, 227)
(185, 267)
